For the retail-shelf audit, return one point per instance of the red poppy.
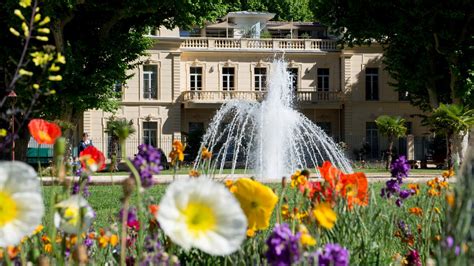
(92, 159)
(43, 131)
(153, 208)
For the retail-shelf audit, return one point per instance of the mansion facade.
(188, 75)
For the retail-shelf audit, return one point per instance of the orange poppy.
(93, 159)
(43, 131)
(355, 188)
(330, 173)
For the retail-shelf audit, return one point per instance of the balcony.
(263, 45)
(197, 99)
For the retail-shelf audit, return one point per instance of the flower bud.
(128, 187)
(80, 254)
(283, 182)
(60, 147)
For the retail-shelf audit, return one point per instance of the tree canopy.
(428, 46)
(285, 10)
(101, 40)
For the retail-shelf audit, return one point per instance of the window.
(403, 96)
(260, 74)
(118, 87)
(228, 78)
(323, 79)
(372, 138)
(195, 78)
(150, 88)
(372, 84)
(293, 72)
(150, 131)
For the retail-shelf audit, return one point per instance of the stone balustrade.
(258, 44)
(222, 96)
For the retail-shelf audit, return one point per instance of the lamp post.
(12, 95)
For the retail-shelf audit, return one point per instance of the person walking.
(84, 143)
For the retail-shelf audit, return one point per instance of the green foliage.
(393, 127)
(450, 119)
(120, 128)
(285, 10)
(459, 218)
(428, 47)
(101, 41)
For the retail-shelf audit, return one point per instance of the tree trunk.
(460, 145)
(449, 155)
(389, 153)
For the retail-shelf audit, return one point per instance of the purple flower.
(405, 193)
(283, 246)
(405, 228)
(413, 258)
(400, 167)
(147, 162)
(131, 215)
(399, 203)
(333, 254)
(449, 242)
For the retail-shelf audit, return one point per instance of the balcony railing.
(259, 44)
(222, 96)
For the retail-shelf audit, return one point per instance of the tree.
(101, 40)
(451, 120)
(428, 46)
(393, 128)
(285, 10)
(119, 129)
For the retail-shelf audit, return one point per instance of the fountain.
(268, 139)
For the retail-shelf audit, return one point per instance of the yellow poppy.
(257, 202)
(206, 154)
(325, 216)
(306, 239)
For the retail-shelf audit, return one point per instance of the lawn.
(184, 171)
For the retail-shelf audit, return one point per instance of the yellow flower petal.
(55, 78)
(257, 202)
(24, 72)
(42, 38)
(46, 20)
(44, 30)
(25, 3)
(18, 13)
(14, 32)
(325, 216)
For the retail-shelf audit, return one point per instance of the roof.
(265, 15)
(291, 25)
(221, 25)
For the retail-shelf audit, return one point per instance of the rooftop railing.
(204, 43)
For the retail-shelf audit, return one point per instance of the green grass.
(184, 171)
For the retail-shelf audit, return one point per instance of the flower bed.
(340, 221)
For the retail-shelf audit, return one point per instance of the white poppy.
(68, 216)
(21, 203)
(203, 214)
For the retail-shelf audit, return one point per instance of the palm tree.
(119, 130)
(451, 120)
(393, 128)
